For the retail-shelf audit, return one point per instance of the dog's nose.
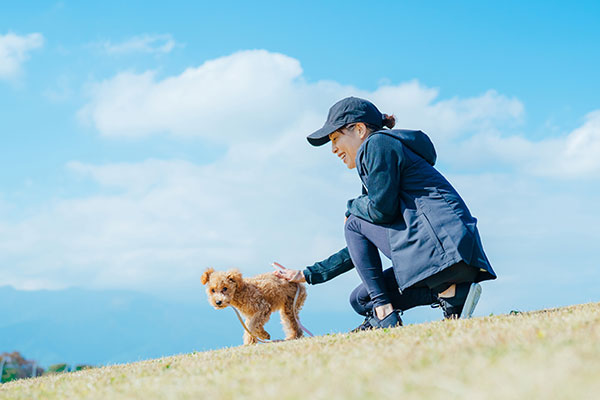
(218, 302)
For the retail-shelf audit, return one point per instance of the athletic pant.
(364, 241)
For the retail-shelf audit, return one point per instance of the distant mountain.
(79, 326)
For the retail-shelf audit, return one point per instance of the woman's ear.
(361, 130)
(206, 275)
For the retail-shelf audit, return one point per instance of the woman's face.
(346, 141)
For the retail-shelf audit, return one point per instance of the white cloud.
(417, 107)
(254, 95)
(14, 51)
(577, 155)
(162, 222)
(571, 156)
(248, 90)
(259, 92)
(152, 44)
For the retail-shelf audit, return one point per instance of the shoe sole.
(471, 301)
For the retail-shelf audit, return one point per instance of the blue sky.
(143, 142)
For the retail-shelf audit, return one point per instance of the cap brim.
(321, 136)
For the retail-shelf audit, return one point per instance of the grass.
(550, 354)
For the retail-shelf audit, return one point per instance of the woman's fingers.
(291, 275)
(282, 275)
(287, 274)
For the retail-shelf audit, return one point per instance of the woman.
(409, 212)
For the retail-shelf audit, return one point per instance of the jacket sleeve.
(382, 162)
(329, 268)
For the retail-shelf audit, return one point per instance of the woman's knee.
(358, 301)
(352, 224)
(353, 232)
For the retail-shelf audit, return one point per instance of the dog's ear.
(234, 275)
(206, 275)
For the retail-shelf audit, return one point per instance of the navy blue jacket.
(431, 227)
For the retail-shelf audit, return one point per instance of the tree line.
(14, 366)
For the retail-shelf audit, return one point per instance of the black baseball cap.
(346, 111)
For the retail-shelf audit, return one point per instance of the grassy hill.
(544, 354)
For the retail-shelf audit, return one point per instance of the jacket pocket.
(431, 232)
(453, 203)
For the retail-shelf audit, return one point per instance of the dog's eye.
(212, 290)
(224, 289)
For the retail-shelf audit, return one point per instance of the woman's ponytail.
(389, 121)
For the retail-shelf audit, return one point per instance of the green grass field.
(538, 355)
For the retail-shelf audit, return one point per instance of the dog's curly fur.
(256, 298)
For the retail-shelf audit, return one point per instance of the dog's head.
(221, 286)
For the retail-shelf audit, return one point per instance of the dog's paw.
(294, 336)
(248, 340)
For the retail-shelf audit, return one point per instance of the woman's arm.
(382, 161)
(329, 268)
(321, 271)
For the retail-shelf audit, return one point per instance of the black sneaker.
(463, 303)
(365, 326)
(392, 320)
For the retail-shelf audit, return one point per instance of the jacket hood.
(417, 141)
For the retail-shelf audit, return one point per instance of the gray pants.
(379, 287)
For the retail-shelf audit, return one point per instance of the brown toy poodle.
(256, 298)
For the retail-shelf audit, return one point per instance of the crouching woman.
(409, 212)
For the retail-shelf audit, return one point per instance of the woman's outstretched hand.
(291, 275)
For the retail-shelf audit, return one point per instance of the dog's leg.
(289, 316)
(257, 322)
(288, 320)
(247, 338)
